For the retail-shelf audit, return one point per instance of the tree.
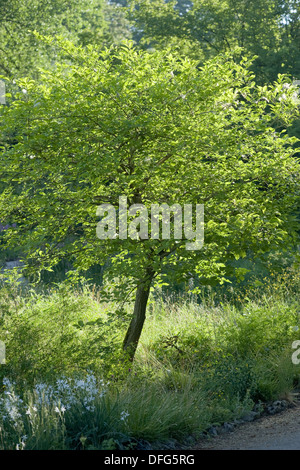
(118, 27)
(82, 21)
(268, 29)
(290, 28)
(160, 24)
(153, 128)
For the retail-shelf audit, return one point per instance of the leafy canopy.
(156, 128)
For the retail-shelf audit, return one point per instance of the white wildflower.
(124, 415)
(60, 410)
(22, 444)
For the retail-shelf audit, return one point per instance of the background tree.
(290, 44)
(155, 128)
(82, 21)
(268, 29)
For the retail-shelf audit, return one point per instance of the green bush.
(47, 334)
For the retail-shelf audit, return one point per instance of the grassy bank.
(200, 362)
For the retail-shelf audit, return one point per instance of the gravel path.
(277, 432)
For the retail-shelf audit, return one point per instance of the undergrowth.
(201, 361)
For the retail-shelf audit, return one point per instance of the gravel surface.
(275, 432)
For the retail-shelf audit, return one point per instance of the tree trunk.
(139, 314)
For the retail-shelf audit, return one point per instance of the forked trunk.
(137, 322)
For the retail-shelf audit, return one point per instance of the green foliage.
(85, 22)
(21, 54)
(235, 354)
(202, 29)
(197, 364)
(47, 334)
